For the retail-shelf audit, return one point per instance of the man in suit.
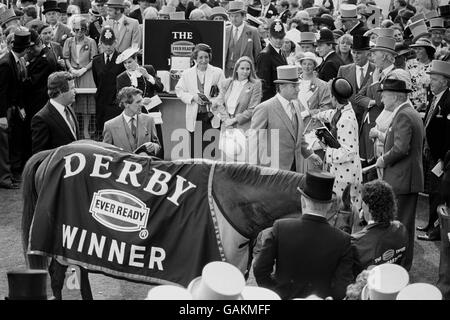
(12, 72)
(95, 25)
(280, 115)
(370, 98)
(105, 72)
(52, 17)
(268, 10)
(329, 68)
(437, 140)
(351, 24)
(402, 157)
(311, 256)
(241, 39)
(139, 12)
(126, 29)
(270, 58)
(55, 124)
(51, 49)
(131, 129)
(283, 8)
(359, 72)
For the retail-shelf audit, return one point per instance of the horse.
(236, 200)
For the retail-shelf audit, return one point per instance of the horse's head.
(252, 199)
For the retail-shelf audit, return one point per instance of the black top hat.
(317, 186)
(394, 85)
(51, 6)
(444, 11)
(341, 88)
(276, 29)
(22, 40)
(325, 19)
(107, 36)
(63, 6)
(326, 36)
(27, 285)
(361, 42)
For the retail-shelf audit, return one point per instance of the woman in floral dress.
(418, 69)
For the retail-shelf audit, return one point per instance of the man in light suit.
(280, 114)
(402, 157)
(126, 29)
(241, 39)
(131, 129)
(52, 16)
(359, 72)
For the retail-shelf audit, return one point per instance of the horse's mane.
(30, 195)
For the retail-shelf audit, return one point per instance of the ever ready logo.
(120, 211)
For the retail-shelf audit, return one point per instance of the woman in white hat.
(314, 93)
(418, 68)
(78, 52)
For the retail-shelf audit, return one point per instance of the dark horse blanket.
(131, 217)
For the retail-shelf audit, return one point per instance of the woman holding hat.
(418, 69)
(196, 88)
(344, 161)
(78, 52)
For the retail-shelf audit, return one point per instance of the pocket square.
(249, 40)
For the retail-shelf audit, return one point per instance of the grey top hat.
(418, 29)
(287, 74)
(440, 67)
(7, 16)
(385, 44)
(236, 6)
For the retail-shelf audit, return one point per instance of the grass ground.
(424, 269)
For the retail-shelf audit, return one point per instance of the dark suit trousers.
(198, 145)
(19, 142)
(444, 264)
(5, 170)
(433, 196)
(406, 214)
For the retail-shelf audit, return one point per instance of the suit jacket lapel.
(244, 39)
(74, 117)
(242, 96)
(60, 121)
(125, 133)
(122, 30)
(370, 70)
(284, 117)
(141, 130)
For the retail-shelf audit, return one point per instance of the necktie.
(361, 76)
(381, 76)
(116, 27)
(108, 59)
(431, 111)
(294, 117)
(70, 119)
(235, 37)
(133, 128)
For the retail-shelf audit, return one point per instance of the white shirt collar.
(58, 106)
(15, 56)
(284, 102)
(326, 56)
(394, 113)
(277, 50)
(120, 21)
(240, 28)
(365, 67)
(127, 118)
(439, 95)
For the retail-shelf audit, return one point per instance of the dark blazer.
(123, 80)
(329, 68)
(266, 69)
(62, 33)
(285, 15)
(349, 72)
(53, 53)
(359, 29)
(136, 14)
(311, 257)
(403, 152)
(438, 130)
(105, 76)
(379, 243)
(250, 41)
(271, 12)
(49, 130)
(10, 86)
(94, 29)
(35, 85)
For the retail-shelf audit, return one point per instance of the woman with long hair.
(343, 48)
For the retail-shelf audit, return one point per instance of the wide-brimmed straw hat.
(425, 43)
(311, 56)
(128, 53)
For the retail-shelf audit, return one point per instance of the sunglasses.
(77, 30)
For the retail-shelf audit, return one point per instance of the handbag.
(214, 91)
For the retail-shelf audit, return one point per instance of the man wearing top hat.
(308, 42)
(52, 14)
(331, 61)
(270, 58)
(350, 21)
(281, 114)
(9, 18)
(105, 72)
(437, 31)
(241, 39)
(437, 140)
(370, 98)
(359, 72)
(310, 256)
(402, 157)
(126, 29)
(12, 112)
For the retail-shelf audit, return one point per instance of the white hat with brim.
(311, 56)
(128, 53)
(259, 293)
(168, 292)
(219, 281)
(386, 280)
(420, 291)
